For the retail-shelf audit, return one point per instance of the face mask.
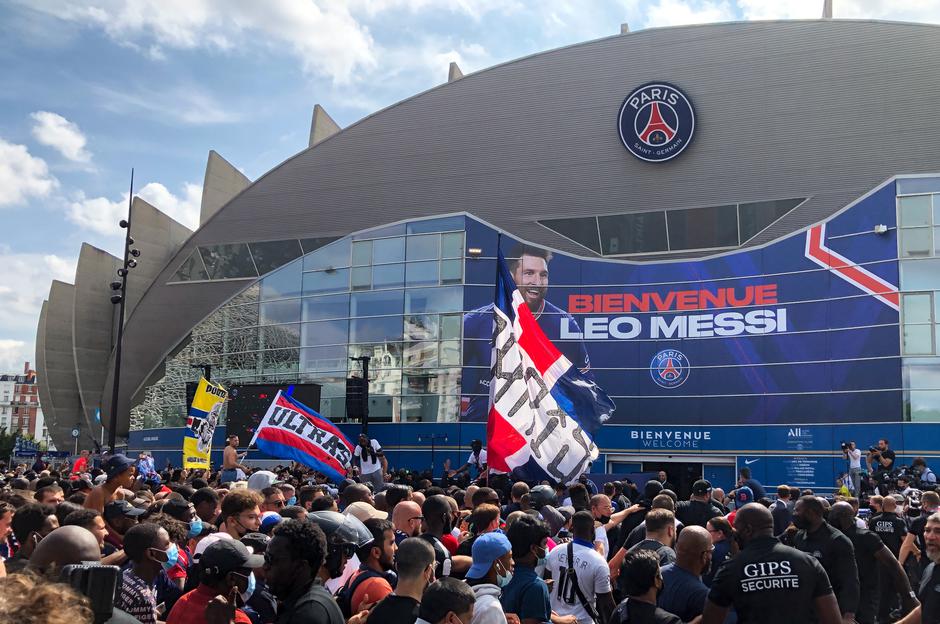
(800, 522)
(541, 559)
(195, 527)
(604, 519)
(245, 595)
(291, 501)
(172, 556)
(502, 580)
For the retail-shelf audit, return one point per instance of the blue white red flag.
(543, 410)
(291, 430)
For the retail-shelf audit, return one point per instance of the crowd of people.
(116, 540)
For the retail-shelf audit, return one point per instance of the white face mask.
(503, 579)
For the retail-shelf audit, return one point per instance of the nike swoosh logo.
(748, 462)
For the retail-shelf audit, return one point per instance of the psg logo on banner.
(669, 368)
(656, 122)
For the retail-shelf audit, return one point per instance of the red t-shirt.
(450, 543)
(81, 465)
(191, 608)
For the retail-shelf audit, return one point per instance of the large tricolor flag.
(291, 430)
(543, 410)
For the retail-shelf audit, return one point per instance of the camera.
(874, 449)
(98, 583)
(844, 446)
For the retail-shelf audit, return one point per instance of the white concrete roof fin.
(624, 28)
(222, 182)
(827, 9)
(453, 72)
(322, 126)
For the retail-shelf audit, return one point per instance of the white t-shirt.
(369, 466)
(600, 535)
(477, 461)
(593, 578)
(855, 458)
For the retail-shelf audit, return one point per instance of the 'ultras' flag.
(291, 430)
(543, 410)
(201, 421)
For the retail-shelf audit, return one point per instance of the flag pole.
(499, 246)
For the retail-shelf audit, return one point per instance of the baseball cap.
(228, 555)
(118, 508)
(743, 496)
(363, 511)
(262, 479)
(209, 540)
(176, 508)
(652, 489)
(486, 549)
(268, 520)
(116, 465)
(701, 487)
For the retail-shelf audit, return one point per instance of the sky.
(90, 89)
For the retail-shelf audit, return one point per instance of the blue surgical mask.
(195, 527)
(172, 556)
(502, 580)
(250, 589)
(291, 501)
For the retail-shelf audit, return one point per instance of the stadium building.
(733, 227)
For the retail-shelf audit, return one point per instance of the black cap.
(701, 487)
(177, 508)
(121, 508)
(116, 465)
(227, 555)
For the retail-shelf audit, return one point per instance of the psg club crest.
(656, 122)
(669, 368)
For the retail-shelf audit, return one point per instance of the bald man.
(892, 529)
(64, 546)
(683, 592)
(870, 551)
(767, 582)
(407, 520)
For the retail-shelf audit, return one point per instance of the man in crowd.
(415, 573)
(119, 475)
(492, 569)
(930, 503)
(581, 578)
(526, 595)
(375, 577)
(241, 513)
(660, 535)
(782, 510)
(641, 581)
(832, 548)
(225, 571)
(407, 518)
(231, 469)
(120, 516)
(149, 550)
(746, 480)
(371, 461)
(872, 558)
(853, 455)
(30, 524)
(273, 499)
(476, 460)
(50, 495)
(206, 502)
(698, 510)
(683, 592)
(767, 582)
(438, 520)
(445, 601)
(294, 569)
(892, 529)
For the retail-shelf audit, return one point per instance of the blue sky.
(90, 89)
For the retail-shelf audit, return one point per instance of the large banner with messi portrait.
(801, 330)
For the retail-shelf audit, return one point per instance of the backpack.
(345, 595)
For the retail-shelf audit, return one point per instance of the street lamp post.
(119, 299)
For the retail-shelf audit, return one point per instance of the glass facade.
(394, 294)
(919, 260)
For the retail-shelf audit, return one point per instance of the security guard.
(769, 583)
(871, 557)
(929, 610)
(833, 550)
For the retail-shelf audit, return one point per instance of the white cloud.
(323, 34)
(24, 283)
(677, 12)
(912, 10)
(62, 135)
(22, 175)
(101, 215)
(189, 105)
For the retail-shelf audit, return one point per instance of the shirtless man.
(230, 465)
(119, 471)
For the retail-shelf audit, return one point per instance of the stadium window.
(273, 254)
(332, 256)
(388, 276)
(228, 261)
(361, 278)
(387, 250)
(914, 210)
(754, 217)
(378, 303)
(325, 307)
(702, 228)
(285, 282)
(581, 230)
(452, 271)
(426, 247)
(192, 269)
(917, 323)
(452, 245)
(277, 312)
(422, 273)
(643, 232)
(319, 282)
(361, 253)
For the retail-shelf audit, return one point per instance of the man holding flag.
(543, 408)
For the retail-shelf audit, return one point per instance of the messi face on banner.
(529, 267)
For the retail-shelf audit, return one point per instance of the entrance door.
(680, 474)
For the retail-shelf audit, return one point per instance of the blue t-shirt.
(683, 593)
(527, 595)
(478, 351)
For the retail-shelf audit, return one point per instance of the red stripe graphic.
(856, 275)
(319, 423)
(288, 438)
(533, 340)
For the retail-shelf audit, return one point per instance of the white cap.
(362, 511)
(209, 540)
(261, 479)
